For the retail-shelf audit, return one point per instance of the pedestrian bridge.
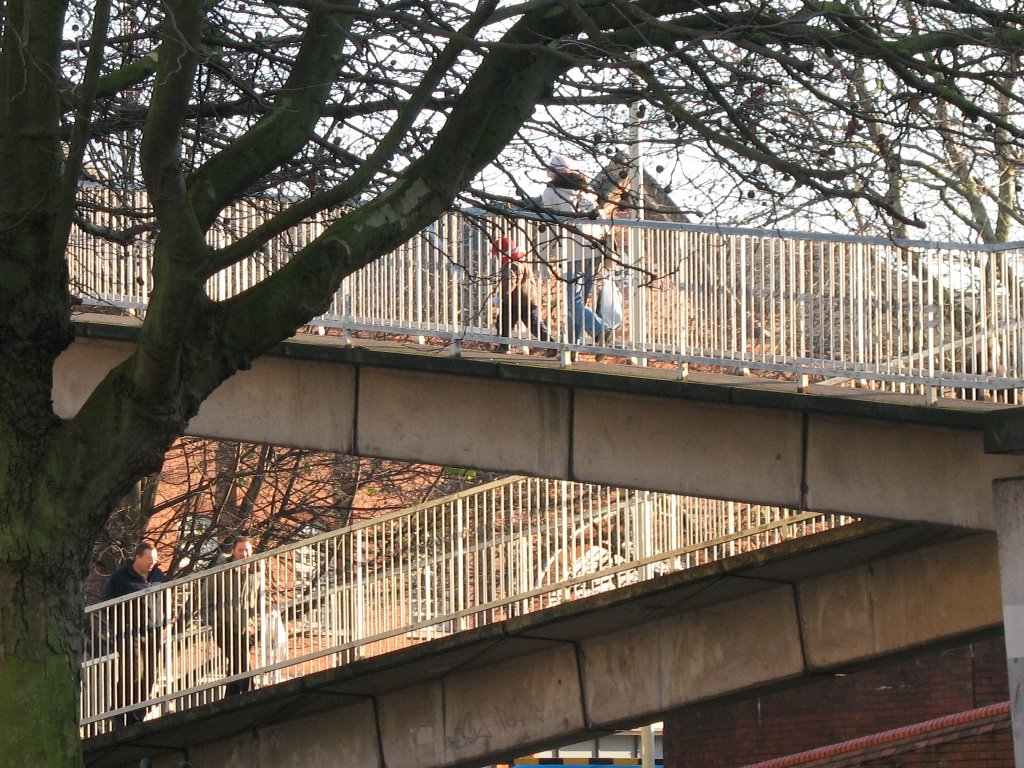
(827, 348)
(882, 379)
(509, 548)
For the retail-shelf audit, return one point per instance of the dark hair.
(144, 546)
(242, 540)
(571, 179)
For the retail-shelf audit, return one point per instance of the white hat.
(559, 163)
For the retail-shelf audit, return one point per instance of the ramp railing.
(508, 548)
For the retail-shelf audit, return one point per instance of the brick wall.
(822, 711)
(986, 750)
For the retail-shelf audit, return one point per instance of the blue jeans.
(582, 319)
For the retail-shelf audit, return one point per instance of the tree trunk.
(43, 550)
(40, 633)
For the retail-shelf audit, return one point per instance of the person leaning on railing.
(135, 630)
(234, 598)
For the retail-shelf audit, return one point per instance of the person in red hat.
(519, 294)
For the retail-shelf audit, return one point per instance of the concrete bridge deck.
(829, 449)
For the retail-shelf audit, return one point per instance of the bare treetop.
(794, 104)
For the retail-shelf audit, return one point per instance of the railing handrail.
(747, 231)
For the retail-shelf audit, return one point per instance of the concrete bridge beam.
(827, 453)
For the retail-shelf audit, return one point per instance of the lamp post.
(636, 157)
(638, 311)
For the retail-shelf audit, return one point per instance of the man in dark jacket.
(135, 629)
(137, 573)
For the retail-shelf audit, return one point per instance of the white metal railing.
(508, 548)
(905, 315)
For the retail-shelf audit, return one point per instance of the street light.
(636, 157)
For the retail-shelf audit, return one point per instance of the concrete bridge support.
(1009, 520)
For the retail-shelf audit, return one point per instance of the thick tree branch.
(282, 133)
(495, 103)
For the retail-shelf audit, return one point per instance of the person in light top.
(568, 189)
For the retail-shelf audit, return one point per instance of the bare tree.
(392, 112)
(909, 133)
(209, 492)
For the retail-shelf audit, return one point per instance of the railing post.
(260, 633)
(562, 537)
(640, 316)
(460, 561)
(646, 548)
(168, 647)
(744, 309)
(859, 295)
(931, 321)
(359, 596)
(682, 303)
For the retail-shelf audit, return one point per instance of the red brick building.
(939, 708)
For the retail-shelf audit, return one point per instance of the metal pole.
(647, 746)
(360, 598)
(636, 158)
(636, 185)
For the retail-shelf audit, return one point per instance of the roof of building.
(910, 738)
